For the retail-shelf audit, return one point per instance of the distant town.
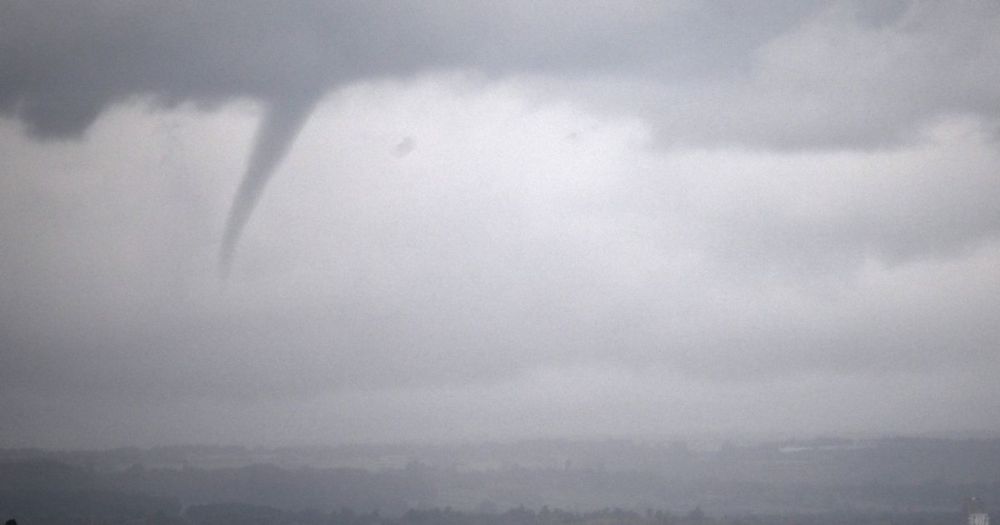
(902, 480)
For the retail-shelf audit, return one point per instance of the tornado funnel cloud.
(278, 128)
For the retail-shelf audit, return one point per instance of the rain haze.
(277, 223)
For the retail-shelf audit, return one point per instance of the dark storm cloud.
(65, 63)
(861, 73)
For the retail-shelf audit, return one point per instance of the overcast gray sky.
(497, 220)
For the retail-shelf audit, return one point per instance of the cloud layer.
(506, 221)
(828, 74)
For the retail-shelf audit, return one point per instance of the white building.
(975, 512)
(978, 518)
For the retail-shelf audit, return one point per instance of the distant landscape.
(891, 480)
